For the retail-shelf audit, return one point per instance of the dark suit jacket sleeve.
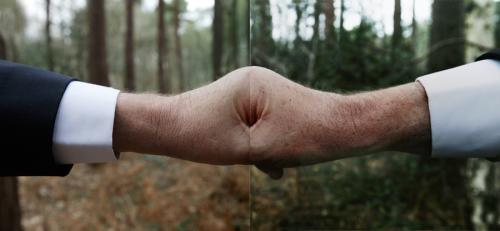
(29, 101)
(494, 54)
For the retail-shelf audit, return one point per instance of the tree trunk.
(497, 24)
(218, 38)
(97, 63)
(261, 32)
(264, 26)
(129, 46)
(248, 32)
(313, 55)
(449, 190)
(14, 52)
(448, 22)
(235, 24)
(317, 12)
(298, 13)
(341, 24)
(397, 35)
(329, 11)
(163, 83)
(10, 211)
(414, 27)
(48, 37)
(3, 47)
(178, 46)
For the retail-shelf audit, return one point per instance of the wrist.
(140, 120)
(393, 119)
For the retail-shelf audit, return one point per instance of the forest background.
(170, 46)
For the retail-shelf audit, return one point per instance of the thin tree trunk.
(341, 24)
(163, 83)
(14, 52)
(329, 11)
(450, 189)
(414, 26)
(317, 12)
(298, 12)
(97, 58)
(48, 36)
(129, 47)
(448, 22)
(178, 46)
(218, 30)
(313, 55)
(497, 24)
(265, 42)
(3, 47)
(414, 31)
(10, 211)
(397, 34)
(248, 32)
(235, 24)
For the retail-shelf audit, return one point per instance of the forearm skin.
(393, 119)
(139, 122)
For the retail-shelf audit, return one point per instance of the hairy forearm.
(139, 121)
(192, 126)
(395, 119)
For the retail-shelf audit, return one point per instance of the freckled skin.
(255, 116)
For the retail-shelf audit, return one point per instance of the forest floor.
(139, 193)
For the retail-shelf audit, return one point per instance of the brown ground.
(139, 193)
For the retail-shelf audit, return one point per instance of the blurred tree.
(218, 38)
(497, 24)
(12, 25)
(3, 47)
(129, 46)
(177, 39)
(298, 19)
(447, 36)
(315, 43)
(397, 35)
(262, 40)
(325, 50)
(10, 212)
(317, 11)
(234, 30)
(341, 24)
(79, 37)
(329, 11)
(48, 36)
(447, 50)
(414, 27)
(97, 57)
(163, 81)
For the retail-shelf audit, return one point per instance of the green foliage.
(361, 61)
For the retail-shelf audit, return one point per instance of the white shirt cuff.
(83, 131)
(464, 105)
